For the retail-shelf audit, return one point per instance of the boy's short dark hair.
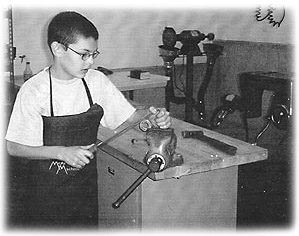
(66, 26)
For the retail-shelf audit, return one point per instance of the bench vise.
(160, 155)
(162, 144)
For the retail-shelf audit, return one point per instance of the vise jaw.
(162, 144)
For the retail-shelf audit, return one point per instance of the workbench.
(122, 81)
(201, 193)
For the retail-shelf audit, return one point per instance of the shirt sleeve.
(117, 109)
(25, 125)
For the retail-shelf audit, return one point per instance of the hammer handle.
(224, 147)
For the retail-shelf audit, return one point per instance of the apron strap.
(51, 103)
(85, 86)
(87, 92)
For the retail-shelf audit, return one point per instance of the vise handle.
(153, 166)
(224, 147)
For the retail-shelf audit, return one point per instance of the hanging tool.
(224, 147)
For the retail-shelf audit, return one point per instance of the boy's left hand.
(160, 117)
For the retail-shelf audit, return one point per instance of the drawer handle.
(111, 170)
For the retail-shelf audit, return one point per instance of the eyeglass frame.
(93, 55)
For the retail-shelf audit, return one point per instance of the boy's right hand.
(76, 156)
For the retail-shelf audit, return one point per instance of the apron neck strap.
(51, 103)
(87, 92)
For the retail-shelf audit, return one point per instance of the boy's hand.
(76, 156)
(160, 117)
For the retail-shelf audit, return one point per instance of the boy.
(55, 120)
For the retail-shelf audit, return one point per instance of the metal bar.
(127, 193)
(99, 143)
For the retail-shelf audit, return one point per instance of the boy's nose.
(90, 60)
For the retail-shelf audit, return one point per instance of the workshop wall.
(130, 37)
(238, 57)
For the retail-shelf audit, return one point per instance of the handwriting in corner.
(274, 16)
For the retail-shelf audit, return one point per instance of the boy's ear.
(58, 49)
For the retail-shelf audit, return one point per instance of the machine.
(190, 40)
(249, 102)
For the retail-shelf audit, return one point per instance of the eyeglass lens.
(85, 56)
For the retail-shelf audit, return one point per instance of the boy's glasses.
(86, 55)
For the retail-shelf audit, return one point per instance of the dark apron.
(62, 195)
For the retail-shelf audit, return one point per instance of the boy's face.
(72, 63)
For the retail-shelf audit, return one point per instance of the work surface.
(122, 81)
(198, 156)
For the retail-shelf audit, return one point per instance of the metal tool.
(189, 40)
(224, 147)
(161, 155)
(161, 143)
(153, 166)
(141, 122)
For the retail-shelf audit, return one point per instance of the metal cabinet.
(113, 179)
(203, 200)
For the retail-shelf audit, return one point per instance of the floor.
(265, 187)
